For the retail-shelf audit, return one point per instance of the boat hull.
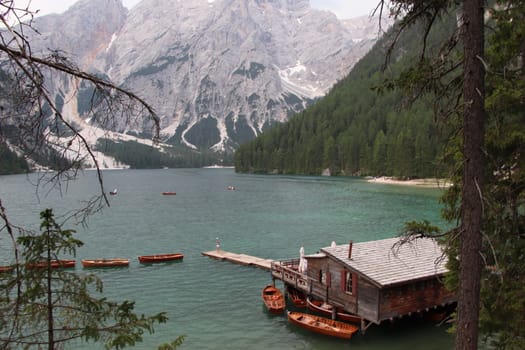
(6, 269)
(273, 299)
(159, 258)
(322, 325)
(326, 310)
(94, 263)
(298, 298)
(55, 264)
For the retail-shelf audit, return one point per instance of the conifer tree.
(486, 248)
(45, 307)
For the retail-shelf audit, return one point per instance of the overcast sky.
(342, 8)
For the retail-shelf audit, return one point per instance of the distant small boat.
(326, 309)
(157, 258)
(273, 299)
(230, 188)
(113, 193)
(112, 262)
(55, 264)
(323, 325)
(298, 298)
(169, 193)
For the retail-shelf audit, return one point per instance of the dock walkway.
(241, 259)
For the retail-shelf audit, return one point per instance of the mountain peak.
(218, 72)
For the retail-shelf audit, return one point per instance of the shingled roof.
(386, 264)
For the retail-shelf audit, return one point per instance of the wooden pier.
(241, 259)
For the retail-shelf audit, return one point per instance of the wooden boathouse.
(377, 280)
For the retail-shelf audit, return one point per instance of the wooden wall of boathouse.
(367, 299)
(364, 301)
(317, 287)
(414, 297)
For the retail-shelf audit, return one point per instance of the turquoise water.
(216, 304)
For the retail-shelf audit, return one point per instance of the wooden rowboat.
(322, 325)
(326, 310)
(158, 258)
(112, 262)
(55, 264)
(273, 299)
(298, 298)
(169, 193)
(6, 269)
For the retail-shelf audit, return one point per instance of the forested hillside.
(360, 128)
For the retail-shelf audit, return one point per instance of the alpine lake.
(217, 304)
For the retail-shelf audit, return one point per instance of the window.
(348, 282)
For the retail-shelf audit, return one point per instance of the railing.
(288, 272)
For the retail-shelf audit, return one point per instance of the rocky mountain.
(218, 72)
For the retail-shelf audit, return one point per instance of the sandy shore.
(429, 183)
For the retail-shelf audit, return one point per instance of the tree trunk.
(473, 157)
(50, 317)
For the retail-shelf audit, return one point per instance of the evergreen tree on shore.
(359, 127)
(480, 76)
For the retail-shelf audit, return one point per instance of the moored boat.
(298, 298)
(55, 264)
(326, 309)
(114, 192)
(157, 258)
(435, 315)
(273, 299)
(323, 325)
(111, 262)
(6, 269)
(169, 193)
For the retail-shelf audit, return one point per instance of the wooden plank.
(241, 259)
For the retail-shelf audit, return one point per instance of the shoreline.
(426, 183)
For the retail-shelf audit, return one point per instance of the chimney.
(350, 249)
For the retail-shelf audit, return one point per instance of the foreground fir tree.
(45, 307)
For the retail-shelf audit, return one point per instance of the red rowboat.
(273, 299)
(55, 264)
(322, 325)
(326, 309)
(6, 269)
(150, 259)
(298, 298)
(169, 193)
(112, 262)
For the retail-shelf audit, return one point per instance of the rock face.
(82, 32)
(217, 72)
